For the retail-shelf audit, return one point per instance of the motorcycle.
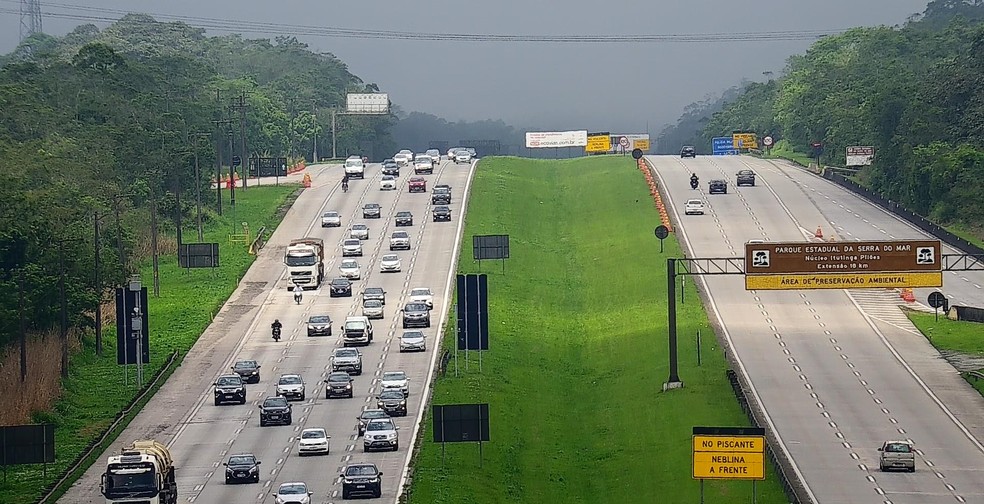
(276, 334)
(297, 297)
(344, 186)
(693, 183)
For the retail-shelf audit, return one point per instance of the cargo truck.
(143, 472)
(305, 260)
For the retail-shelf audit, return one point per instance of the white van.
(354, 167)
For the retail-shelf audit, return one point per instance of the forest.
(103, 126)
(914, 92)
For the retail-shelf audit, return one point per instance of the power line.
(96, 14)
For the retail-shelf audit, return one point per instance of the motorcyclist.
(345, 181)
(693, 180)
(298, 293)
(276, 327)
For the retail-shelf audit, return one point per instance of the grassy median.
(952, 335)
(579, 350)
(95, 391)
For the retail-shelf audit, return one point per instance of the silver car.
(360, 231)
(381, 434)
(400, 240)
(331, 219)
(413, 341)
(372, 308)
(349, 268)
(291, 386)
(397, 380)
(390, 263)
(462, 156)
(352, 247)
(435, 155)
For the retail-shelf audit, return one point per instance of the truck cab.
(357, 331)
(144, 470)
(304, 258)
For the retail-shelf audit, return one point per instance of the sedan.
(360, 231)
(368, 415)
(248, 370)
(404, 219)
(694, 207)
(413, 341)
(294, 492)
(313, 441)
(331, 219)
(387, 183)
(291, 386)
(242, 468)
(338, 384)
(442, 213)
(372, 308)
(422, 295)
(319, 325)
(396, 380)
(390, 263)
(350, 269)
(352, 247)
(423, 164)
(340, 287)
(372, 211)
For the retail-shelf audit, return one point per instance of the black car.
(362, 480)
(230, 388)
(393, 402)
(404, 219)
(248, 370)
(416, 315)
(276, 410)
(374, 293)
(367, 415)
(717, 186)
(688, 151)
(391, 168)
(372, 211)
(340, 287)
(441, 195)
(242, 468)
(338, 384)
(745, 177)
(442, 213)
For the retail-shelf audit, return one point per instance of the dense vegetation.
(916, 93)
(108, 122)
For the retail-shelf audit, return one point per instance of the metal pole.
(683, 287)
(754, 493)
(232, 174)
(153, 244)
(242, 134)
(137, 326)
(674, 379)
(218, 169)
(314, 113)
(98, 285)
(702, 491)
(334, 145)
(198, 194)
(23, 328)
(698, 347)
(64, 311)
(177, 209)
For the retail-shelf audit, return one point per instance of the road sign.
(599, 142)
(767, 141)
(795, 281)
(843, 257)
(636, 153)
(723, 146)
(641, 144)
(728, 453)
(624, 142)
(860, 155)
(744, 141)
(936, 299)
(662, 232)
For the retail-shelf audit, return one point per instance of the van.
(355, 167)
(357, 330)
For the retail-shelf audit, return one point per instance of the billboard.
(723, 146)
(745, 141)
(367, 103)
(599, 142)
(860, 155)
(542, 139)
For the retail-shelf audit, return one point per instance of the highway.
(201, 436)
(838, 372)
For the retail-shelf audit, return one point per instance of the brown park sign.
(843, 257)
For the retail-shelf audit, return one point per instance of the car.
(413, 341)
(340, 287)
(462, 156)
(349, 268)
(248, 370)
(242, 468)
(393, 402)
(416, 314)
(422, 295)
(338, 384)
(381, 434)
(694, 207)
(404, 157)
(360, 231)
(452, 151)
(417, 184)
(348, 360)
(230, 388)
(423, 164)
(688, 151)
(717, 186)
(756, 242)
(403, 219)
(319, 325)
(351, 247)
(472, 151)
(745, 177)
(357, 331)
(361, 480)
(374, 293)
(291, 386)
(400, 240)
(435, 155)
(442, 213)
(275, 410)
(372, 309)
(367, 415)
(441, 195)
(372, 211)
(294, 492)
(331, 219)
(896, 454)
(387, 183)
(355, 167)
(391, 167)
(390, 263)
(313, 440)
(396, 380)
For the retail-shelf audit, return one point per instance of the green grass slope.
(578, 353)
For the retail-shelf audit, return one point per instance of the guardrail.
(258, 242)
(97, 444)
(976, 375)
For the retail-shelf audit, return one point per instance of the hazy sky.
(613, 86)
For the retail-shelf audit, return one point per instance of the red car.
(418, 184)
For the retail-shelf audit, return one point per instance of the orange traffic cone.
(819, 233)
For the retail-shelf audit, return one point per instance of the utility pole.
(232, 172)
(98, 282)
(239, 107)
(314, 113)
(177, 209)
(334, 144)
(64, 304)
(153, 242)
(23, 327)
(198, 188)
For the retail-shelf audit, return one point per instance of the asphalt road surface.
(201, 436)
(837, 371)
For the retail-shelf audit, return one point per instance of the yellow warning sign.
(727, 444)
(641, 144)
(844, 281)
(745, 141)
(711, 465)
(599, 143)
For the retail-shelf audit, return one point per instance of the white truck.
(143, 472)
(305, 260)
(355, 167)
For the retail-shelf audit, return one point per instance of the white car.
(291, 386)
(396, 380)
(399, 240)
(435, 155)
(352, 247)
(360, 231)
(694, 207)
(349, 268)
(313, 440)
(452, 151)
(413, 341)
(331, 219)
(404, 157)
(423, 164)
(372, 308)
(462, 156)
(422, 295)
(381, 435)
(390, 263)
(387, 183)
(294, 492)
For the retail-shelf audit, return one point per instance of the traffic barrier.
(908, 296)
(307, 180)
(819, 233)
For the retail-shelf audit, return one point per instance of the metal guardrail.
(977, 375)
(96, 444)
(258, 242)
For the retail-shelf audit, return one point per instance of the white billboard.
(860, 155)
(367, 103)
(541, 139)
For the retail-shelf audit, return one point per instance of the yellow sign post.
(729, 453)
(599, 143)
